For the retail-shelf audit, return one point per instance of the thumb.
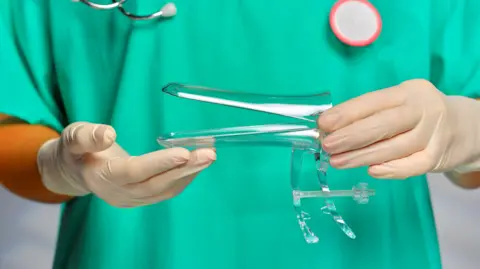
(83, 137)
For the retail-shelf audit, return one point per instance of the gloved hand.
(86, 159)
(403, 131)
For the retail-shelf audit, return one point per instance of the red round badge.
(355, 22)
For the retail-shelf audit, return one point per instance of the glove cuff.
(468, 168)
(464, 154)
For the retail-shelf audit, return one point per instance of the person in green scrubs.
(67, 66)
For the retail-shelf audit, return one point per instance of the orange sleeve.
(19, 174)
(469, 180)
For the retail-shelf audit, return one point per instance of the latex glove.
(86, 159)
(403, 131)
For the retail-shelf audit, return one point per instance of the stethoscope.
(168, 10)
(356, 23)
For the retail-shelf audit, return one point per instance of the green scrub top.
(63, 62)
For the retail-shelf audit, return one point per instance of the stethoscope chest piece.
(355, 22)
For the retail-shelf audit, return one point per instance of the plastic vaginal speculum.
(303, 138)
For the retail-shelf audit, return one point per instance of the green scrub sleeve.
(27, 87)
(455, 43)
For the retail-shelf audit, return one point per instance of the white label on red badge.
(355, 22)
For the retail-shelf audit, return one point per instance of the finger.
(83, 137)
(361, 107)
(416, 164)
(387, 150)
(200, 159)
(380, 126)
(134, 196)
(137, 169)
(179, 186)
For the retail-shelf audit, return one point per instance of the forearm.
(18, 159)
(467, 180)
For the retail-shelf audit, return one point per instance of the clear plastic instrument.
(303, 138)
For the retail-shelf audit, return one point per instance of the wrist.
(53, 173)
(466, 126)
